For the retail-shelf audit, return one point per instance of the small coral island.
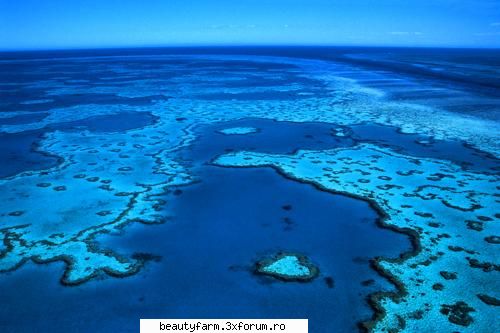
(287, 267)
(239, 130)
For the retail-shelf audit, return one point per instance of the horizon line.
(215, 46)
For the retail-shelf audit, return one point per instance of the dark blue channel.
(22, 153)
(218, 228)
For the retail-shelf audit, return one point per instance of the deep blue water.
(284, 137)
(21, 149)
(231, 217)
(413, 62)
(217, 230)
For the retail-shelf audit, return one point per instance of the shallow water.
(21, 149)
(121, 122)
(217, 229)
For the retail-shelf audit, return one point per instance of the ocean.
(148, 183)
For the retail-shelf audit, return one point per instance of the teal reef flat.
(83, 180)
(288, 267)
(239, 130)
(98, 175)
(433, 200)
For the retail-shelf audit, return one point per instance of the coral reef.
(288, 267)
(108, 177)
(411, 193)
(239, 130)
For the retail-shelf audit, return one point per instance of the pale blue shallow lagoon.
(149, 183)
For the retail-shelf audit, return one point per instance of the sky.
(61, 24)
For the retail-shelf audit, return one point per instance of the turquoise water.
(148, 183)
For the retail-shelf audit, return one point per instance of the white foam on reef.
(437, 200)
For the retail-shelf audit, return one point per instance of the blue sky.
(38, 24)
